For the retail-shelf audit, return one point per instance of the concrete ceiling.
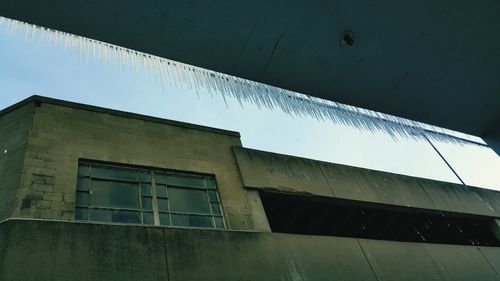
(433, 61)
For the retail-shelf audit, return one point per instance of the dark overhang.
(432, 61)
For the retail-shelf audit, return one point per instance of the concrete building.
(95, 194)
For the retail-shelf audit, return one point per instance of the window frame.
(210, 187)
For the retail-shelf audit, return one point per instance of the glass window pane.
(126, 216)
(147, 203)
(115, 216)
(161, 190)
(164, 219)
(84, 170)
(211, 184)
(213, 196)
(162, 205)
(115, 194)
(114, 173)
(82, 199)
(186, 181)
(219, 222)
(108, 193)
(144, 176)
(83, 184)
(160, 178)
(81, 214)
(147, 218)
(215, 208)
(188, 200)
(192, 220)
(145, 189)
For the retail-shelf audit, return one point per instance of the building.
(95, 194)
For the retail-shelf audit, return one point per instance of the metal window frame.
(153, 172)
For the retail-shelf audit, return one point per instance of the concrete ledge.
(263, 170)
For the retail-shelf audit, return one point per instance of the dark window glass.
(147, 203)
(186, 181)
(145, 189)
(213, 196)
(211, 184)
(219, 222)
(84, 170)
(164, 219)
(188, 200)
(114, 194)
(147, 218)
(192, 220)
(82, 199)
(161, 190)
(144, 176)
(81, 214)
(115, 216)
(160, 178)
(83, 184)
(162, 205)
(215, 208)
(114, 173)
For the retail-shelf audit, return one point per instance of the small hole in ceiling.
(348, 39)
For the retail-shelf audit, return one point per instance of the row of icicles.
(194, 78)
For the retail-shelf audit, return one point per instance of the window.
(113, 193)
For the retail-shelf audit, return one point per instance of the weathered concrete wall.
(50, 250)
(63, 133)
(14, 130)
(395, 261)
(263, 170)
(36, 250)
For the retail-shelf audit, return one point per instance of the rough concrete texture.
(15, 127)
(493, 256)
(395, 261)
(270, 170)
(63, 133)
(264, 170)
(51, 250)
(35, 250)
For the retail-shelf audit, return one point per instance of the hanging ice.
(244, 91)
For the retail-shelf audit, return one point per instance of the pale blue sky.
(44, 69)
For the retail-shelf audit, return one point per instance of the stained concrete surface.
(264, 170)
(55, 250)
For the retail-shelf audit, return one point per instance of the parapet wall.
(265, 170)
(50, 250)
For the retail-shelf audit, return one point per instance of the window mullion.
(168, 205)
(90, 192)
(209, 202)
(156, 214)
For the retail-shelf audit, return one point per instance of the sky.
(42, 68)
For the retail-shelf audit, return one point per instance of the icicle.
(184, 76)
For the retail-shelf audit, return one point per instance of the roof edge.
(42, 99)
